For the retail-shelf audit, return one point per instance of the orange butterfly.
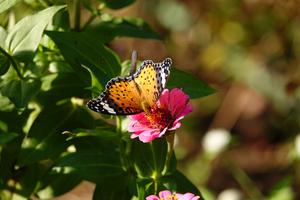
(135, 93)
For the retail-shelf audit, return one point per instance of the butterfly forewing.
(121, 97)
(128, 95)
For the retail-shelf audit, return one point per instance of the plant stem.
(77, 15)
(13, 63)
(242, 178)
(170, 141)
(93, 16)
(121, 143)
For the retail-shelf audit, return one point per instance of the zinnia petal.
(175, 126)
(135, 126)
(149, 135)
(164, 98)
(163, 132)
(186, 110)
(187, 196)
(152, 197)
(178, 99)
(137, 117)
(164, 194)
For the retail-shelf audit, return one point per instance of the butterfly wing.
(121, 97)
(152, 79)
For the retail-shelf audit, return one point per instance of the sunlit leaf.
(3, 35)
(7, 4)
(24, 38)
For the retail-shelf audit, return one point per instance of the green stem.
(45, 3)
(170, 141)
(93, 16)
(121, 143)
(13, 63)
(77, 15)
(242, 178)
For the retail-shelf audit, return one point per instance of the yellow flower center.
(173, 197)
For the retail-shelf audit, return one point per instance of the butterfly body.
(135, 93)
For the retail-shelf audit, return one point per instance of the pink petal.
(186, 110)
(136, 126)
(149, 135)
(196, 198)
(164, 194)
(178, 99)
(163, 132)
(136, 134)
(178, 195)
(136, 117)
(164, 98)
(187, 196)
(175, 126)
(152, 197)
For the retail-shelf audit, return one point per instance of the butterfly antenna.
(133, 62)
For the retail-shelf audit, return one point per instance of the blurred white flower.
(297, 144)
(230, 194)
(215, 140)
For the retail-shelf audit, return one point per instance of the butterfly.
(136, 93)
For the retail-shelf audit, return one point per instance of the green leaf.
(27, 178)
(111, 193)
(24, 38)
(122, 27)
(99, 79)
(4, 64)
(92, 166)
(103, 134)
(21, 92)
(149, 186)
(79, 49)
(117, 4)
(6, 137)
(58, 86)
(150, 158)
(282, 190)
(3, 35)
(190, 84)
(53, 185)
(184, 185)
(7, 4)
(44, 138)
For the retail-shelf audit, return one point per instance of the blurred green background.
(240, 143)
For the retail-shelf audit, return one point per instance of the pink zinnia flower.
(164, 116)
(167, 195)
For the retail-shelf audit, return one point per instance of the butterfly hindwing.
(125, 95)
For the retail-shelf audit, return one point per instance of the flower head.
(167, 195)
(163, 117)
